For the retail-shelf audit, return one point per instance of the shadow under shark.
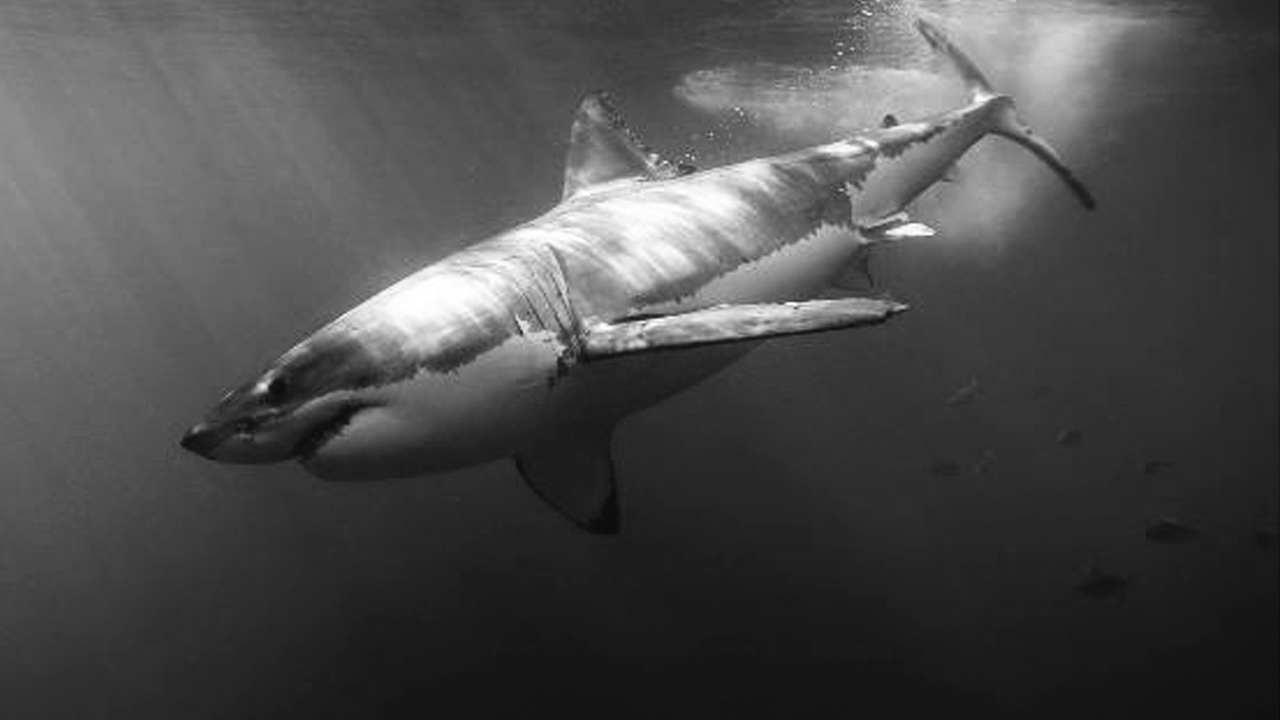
(645, 279)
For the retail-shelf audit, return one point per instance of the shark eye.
(277, 387)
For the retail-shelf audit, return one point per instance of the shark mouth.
(324, 432)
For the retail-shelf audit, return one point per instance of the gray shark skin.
(645, 279)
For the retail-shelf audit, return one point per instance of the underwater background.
(952, 513)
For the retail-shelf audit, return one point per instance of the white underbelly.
(506, 401)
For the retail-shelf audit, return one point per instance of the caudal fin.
(979, 88)
(1010, 126)
(1007, 124)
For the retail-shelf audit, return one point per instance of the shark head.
(355, 402)
(295, 409)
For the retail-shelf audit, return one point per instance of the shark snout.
(260, 436)
(202, 439)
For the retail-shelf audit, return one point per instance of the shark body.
(645, 279)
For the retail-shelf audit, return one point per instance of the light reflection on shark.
(645, 279)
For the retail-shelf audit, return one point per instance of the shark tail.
(1005, 121)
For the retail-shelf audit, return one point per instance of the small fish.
(964, 394)
(1039, 392)
(1099, 583)
(1070, 438)
(1264, 537)
(1151, 467)
(1169, 530)
(946, 468)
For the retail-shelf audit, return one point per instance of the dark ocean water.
(187, 188)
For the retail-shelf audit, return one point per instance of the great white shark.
(646, 278)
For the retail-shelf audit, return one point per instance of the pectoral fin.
(732, 323)
(574, 474)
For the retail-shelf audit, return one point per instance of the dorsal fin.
(603, 148)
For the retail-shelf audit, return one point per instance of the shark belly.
(486, 409)
(505, 402)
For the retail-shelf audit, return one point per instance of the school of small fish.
(1097, 581)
